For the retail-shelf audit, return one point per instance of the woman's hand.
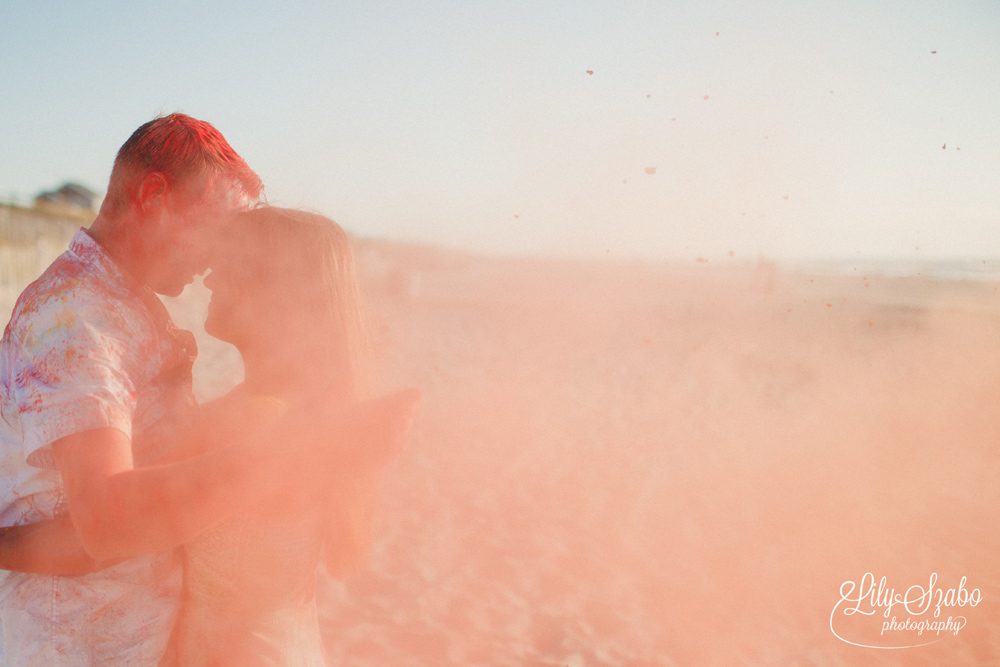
(361, 437)
(377, 430)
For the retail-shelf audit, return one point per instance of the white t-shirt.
(87, 347)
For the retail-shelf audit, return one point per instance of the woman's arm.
(46, 547)
(225, 420)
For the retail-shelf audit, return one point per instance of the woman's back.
(248, 596)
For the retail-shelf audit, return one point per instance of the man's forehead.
(215, 194)
(225, 194)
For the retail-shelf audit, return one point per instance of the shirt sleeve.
(76, 375)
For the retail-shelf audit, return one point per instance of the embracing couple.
(142, 528)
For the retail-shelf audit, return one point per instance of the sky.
(651, 130)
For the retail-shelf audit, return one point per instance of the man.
(95, 387)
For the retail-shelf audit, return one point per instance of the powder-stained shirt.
(87, 347)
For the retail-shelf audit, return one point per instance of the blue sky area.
(779, 129)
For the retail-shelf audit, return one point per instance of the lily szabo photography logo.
(873, 615)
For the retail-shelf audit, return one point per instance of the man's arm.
(120, 511)
(46, 547)
(55, 547)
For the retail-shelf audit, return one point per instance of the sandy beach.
(625, 464)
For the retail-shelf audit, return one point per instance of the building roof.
(70, 194)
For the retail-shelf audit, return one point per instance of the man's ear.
(152, 191)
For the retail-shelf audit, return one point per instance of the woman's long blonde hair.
(310, 257)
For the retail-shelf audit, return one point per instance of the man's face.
(188, 229)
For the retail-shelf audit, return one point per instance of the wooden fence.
(29, 241)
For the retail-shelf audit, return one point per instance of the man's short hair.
(179, 147)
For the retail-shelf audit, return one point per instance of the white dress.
(248, 596)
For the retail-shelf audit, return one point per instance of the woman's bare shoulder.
(226, 420)
(241, 411)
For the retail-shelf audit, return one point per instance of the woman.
(288, 300)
